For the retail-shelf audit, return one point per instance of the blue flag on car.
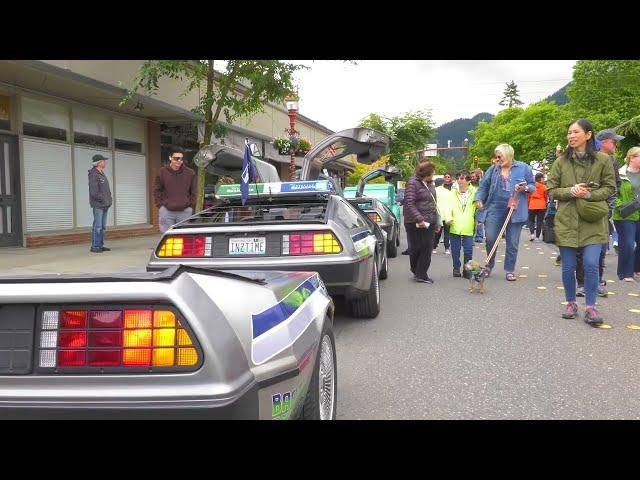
(248, 174)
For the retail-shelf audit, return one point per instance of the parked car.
(378, 201)
(184, 343)
(291, 226)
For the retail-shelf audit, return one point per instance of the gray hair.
(506, 150)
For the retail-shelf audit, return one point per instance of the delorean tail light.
(185, 246)
(117, 338)
(374, 216)
(310, 243)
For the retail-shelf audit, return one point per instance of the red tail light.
(121, 338)
(374, 216)
(185, 246)
(310, 243)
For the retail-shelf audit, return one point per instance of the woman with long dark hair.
(581, 180)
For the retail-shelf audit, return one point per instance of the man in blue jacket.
(100, 201)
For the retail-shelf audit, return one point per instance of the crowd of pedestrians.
(585, 200)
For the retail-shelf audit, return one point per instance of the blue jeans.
(99, 225)
(493, 224)
(480, 218)
(628, 247)
(591, 260)
(464, 241)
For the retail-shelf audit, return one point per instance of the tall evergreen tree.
(511, 95)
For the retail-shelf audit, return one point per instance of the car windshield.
(259, 213)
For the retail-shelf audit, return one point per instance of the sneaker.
(105, 249)
(406, 252)
(478, 240)
(558, 261)
(571, 310)
(580, 292)
(456, 272)
(592, 317)
(602, 291)
(435, 250)
(532, 236)
(95, 250)
(423, 280)
(447, 252)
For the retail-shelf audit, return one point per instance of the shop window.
(128, 134)
(5, 112)
(91, 128)
(44, 119)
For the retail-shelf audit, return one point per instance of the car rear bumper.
(244, 406)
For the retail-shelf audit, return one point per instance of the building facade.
(55, 115)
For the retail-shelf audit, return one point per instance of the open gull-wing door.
(227, 160)
(367, 144)
(389, 172)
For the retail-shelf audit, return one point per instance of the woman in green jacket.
(581, 180)
(628, 227)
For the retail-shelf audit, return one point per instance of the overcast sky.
(338, 95)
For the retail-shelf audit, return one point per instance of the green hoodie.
(625, 195)
(463, 219)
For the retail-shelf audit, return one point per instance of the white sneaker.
(447, 252)
(435, 250)
(532, 237)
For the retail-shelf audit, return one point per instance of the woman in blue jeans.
(505, 179)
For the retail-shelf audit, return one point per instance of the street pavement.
(440, 352)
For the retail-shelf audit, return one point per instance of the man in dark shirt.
(174, 191)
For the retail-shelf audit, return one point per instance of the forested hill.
(456, 131)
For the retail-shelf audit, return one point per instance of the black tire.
(392, 249)
(384, 270)
(312, 407)
(369, 305)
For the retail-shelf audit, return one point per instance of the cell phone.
(522, 184)
(593, 185)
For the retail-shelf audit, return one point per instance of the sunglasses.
(176, 158)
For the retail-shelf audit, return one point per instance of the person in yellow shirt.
(458, 211)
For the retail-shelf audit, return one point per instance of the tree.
(510, 95)
(241, 89)
(605, 90)
(408, 132)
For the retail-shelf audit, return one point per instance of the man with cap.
(100, 201)
(606, 142)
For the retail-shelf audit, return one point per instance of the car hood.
(389, 173)
(227, 161)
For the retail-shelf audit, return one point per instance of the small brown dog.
(477, 275)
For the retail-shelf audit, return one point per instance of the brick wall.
(85, 237)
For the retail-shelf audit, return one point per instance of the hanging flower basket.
(284, 145)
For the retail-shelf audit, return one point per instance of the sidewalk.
(126, 255)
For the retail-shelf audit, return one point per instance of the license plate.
(247, 246)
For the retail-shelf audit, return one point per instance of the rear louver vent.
(16, 339)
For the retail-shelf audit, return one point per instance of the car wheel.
(384, 269)
(369, 305)
(321, 399)
(392, 249)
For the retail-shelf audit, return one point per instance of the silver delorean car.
(184, 343)
(292, 226)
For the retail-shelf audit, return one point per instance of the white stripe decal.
(274, 341)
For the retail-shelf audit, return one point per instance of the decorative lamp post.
(465, 144)
(475, 162)
(291, 104)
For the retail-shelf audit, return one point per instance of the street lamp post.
(291, 104)
(465, 144)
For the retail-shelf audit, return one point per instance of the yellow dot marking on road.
(604, 326)
(542, 275)
(523, 276)
(498, 261)
(502, 255)
(563, 303)
(540, 253)
(634, 310)
(611, 281)
(611, 293)
(538, 248)
(541, 288)
(633, 326)
(526, 268)
(560, 288)
(634, 294)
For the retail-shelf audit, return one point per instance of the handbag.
(590, 211)
(627, 209)
(548, 232)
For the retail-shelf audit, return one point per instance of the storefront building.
(55, 115)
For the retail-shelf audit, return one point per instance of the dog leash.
(513, 203)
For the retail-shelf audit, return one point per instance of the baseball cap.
(608, 134)
(97, 158)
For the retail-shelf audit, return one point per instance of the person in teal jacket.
(628, 227)
(458, 211)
